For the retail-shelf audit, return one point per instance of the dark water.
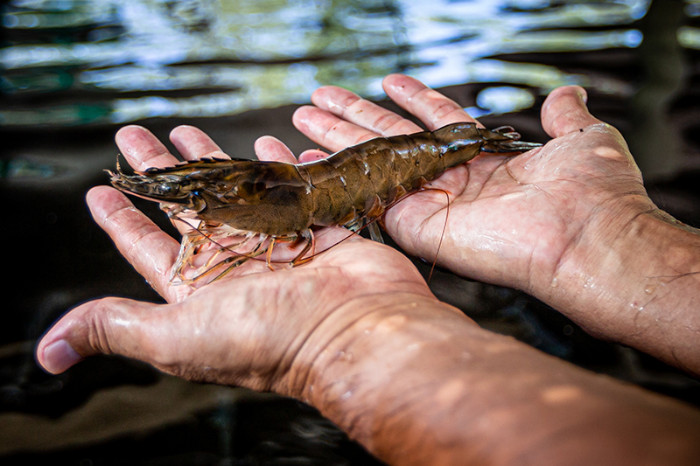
(74, 71)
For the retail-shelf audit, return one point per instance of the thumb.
(104, 326)
(564, 111)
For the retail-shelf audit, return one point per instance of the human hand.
(396, 369)
(511, 220)
(249, 327)
(569, 222)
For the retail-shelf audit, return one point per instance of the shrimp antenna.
(444, 228)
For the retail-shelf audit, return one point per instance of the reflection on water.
(73, 70)
(142, 59)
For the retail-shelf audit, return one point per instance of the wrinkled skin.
(557, 221)
(545, 221)
(510, 220)
(499, 247)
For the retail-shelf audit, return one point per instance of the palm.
(506, 216)
(287, 306)
(554, 194)
(153, 253)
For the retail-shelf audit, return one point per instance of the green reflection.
(150, 58)
(689, 37)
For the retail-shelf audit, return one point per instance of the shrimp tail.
(510, 146)
(504, 140)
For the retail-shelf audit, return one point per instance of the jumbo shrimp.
(286, 202)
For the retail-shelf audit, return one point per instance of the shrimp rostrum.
(263, 203)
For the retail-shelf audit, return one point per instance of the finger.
(148, 249)
(272, 149)
(431, 107)
(142, 149)
(193, 143)
(105, 326)
(564, 111)
(329, 130)
(361, 112)
(312, 155)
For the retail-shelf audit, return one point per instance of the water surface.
(75, 71)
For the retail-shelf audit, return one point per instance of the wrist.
(417, 382)
(347, 324)
(355, 335)
(634, 279)
(388, 356)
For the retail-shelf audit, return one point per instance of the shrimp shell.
(286, 201)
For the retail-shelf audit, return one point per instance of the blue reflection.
(188, 58)
(504, 99)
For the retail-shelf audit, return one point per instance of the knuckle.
(99, 335)
(384, 122)
(443, 110)
(116, 326)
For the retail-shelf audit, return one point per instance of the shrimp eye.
(166, 188)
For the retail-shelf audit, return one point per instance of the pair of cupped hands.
(512, 221)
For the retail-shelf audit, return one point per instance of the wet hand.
(247, 328)
(511, 219)
(569, 222)
(357, 334)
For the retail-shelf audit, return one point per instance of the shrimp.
(263, 203)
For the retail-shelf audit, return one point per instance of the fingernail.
(583, 95)
(59, 356)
